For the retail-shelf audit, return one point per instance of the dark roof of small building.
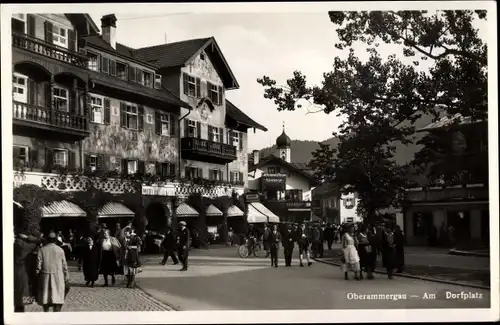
(236, 114)
(325, 189)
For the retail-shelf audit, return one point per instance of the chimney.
(108, 25)
(256, 156)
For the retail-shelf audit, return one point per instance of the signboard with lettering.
(273, 181)
(158, 190)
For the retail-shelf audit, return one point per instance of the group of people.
(362, 244)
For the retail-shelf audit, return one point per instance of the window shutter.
(31, 91)
(200, 173)
(71, 40)
(231, 176)
(172, 169)
(220, 95)
(186, 172)
(185, 83)
(31, 25)
(138, 76)
(173, 124)
(240, 174)
(107, 111)
(71, 160)
(186, 128)
(104, 64)
(73, 105)
(112, 67)
(131, 73)
(221, 174)
(123, 115)
(198, 87)
(16, 152)
(198, 130)
(124, 166)
(48, 31)
(140, 117)
(158, 81)
(49, 160)
(86, 159)
(100, 164)
(158, 168)
(33, 157)
(229, 138)
(141, 167)
(221, 135)
(240, 140)
(157, 123)
(204, 89)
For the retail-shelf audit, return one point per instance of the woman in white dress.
(350, 261)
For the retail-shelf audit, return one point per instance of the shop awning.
(257, 211)
(62, 209)
(234, 211)
(184, 210)
(212, 211)
(115, 210)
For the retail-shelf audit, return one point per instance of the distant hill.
(301, 149)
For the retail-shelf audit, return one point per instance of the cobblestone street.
(99, 298)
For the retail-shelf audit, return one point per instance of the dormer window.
(93, 61)
(122, 70)
(148, 79)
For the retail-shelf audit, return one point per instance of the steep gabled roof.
(274, 159)
(233, 112)
(179, 54)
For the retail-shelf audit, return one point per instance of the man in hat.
(288, 244)
(183, 245)
(53, 276)
(274, 242)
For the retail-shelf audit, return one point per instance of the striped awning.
(62, 209)
(115, 210)
(184, 210)
(234, 211)
(212, 211)
(259, 207)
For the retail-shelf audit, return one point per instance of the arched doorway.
(157, 215)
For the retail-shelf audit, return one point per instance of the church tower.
(283, 144)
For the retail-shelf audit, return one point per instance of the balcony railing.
(48, 116)
(41, 47)
(292, 205)
(205, 150)
(456, 193)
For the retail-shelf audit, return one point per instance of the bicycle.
(244, 250)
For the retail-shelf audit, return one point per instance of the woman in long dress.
(90, 261)
(109, 257)
(367, 254)
(132, 259)
(351, 257)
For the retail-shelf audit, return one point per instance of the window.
(165, 124)
(61, 99)
(132, 167)
(97, 109)
(21, 157)
(139, 76)
(192, 129)
(158, 81)
(60, 36)
(149, 118)
(213, 134)
(215, 174)
(105, 65)
(213, 93)
(235, 139)
(273, 170)
(202, 56)
(19, 23)
(294, 195)
(122, 70)
(235, 176)
(60, 157)
(20, 87)
(93, 162)
(166, 169)
(93, 61)
(191, 83)
(148, 79)
(193, 172)
(132, 118)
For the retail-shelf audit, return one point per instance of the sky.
(254, 44)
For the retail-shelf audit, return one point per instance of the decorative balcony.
(459, 193)
(48, 118)
(298, 205)
(207, 151)
(52, 51)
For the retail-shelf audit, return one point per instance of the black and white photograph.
(250, 162)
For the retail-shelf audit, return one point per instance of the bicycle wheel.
(257, 250)
(243, 251)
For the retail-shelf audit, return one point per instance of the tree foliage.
(376, 95)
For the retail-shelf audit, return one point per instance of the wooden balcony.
(26, 115)
(207, 151)
(52, 51)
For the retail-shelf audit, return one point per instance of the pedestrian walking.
(169, 247)
(304, 246)
(53, 276)
(388, 249)
(90, 262)
(321, 248)
(183, 245)
(25, 259)
(288, 245)
(350, 259)
(329, 236)
(267, 240)
(274, 243)
(399, 242)
(132, 262)
(110, 255)
(367, 255)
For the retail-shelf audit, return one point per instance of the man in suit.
(169, 247)
(288, 244)
(183, 245)
(274, 242)
(267, 232)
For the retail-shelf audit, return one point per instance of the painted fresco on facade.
(204, 68)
